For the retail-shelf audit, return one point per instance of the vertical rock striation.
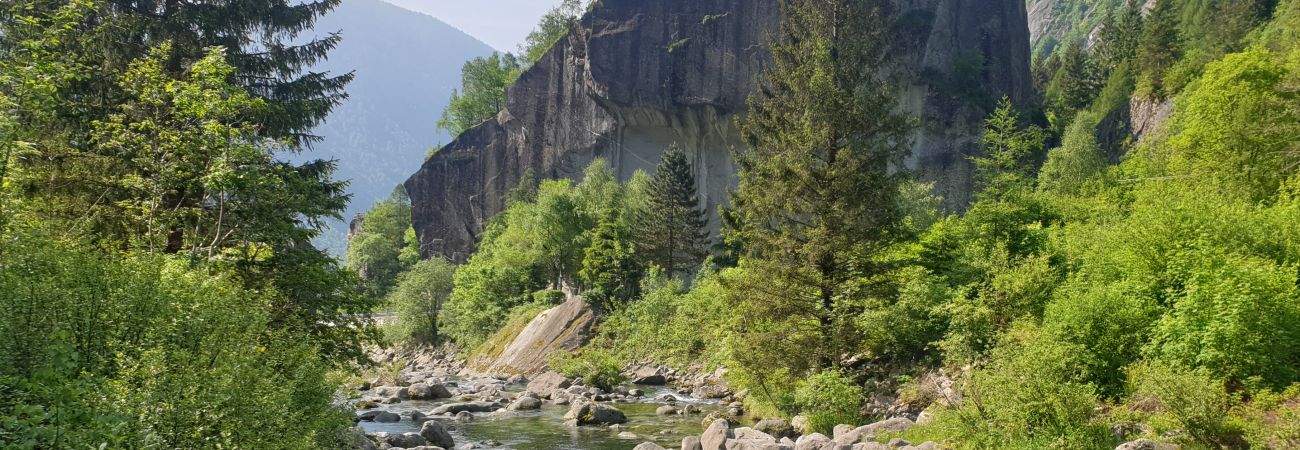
(639, 75)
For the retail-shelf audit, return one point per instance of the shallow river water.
(545, 429)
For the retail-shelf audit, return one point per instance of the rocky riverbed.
(440, 408)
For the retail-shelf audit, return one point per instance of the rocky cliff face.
(640, 75)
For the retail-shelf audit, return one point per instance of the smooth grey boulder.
(464, 417)
(436, 434)
(387, 417)
(427, 391)
(815, 441)
(776, 427)
(691, 443)
(716, 435)
(648, 446)
(591, 413)
(666, 410)
(525, 404)
(867, 433)
(401, 440)
(475, 407)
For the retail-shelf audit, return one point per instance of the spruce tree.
(671, 228)
(1162, 45)
(820, 178)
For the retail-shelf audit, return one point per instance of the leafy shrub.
(1272, 420)
(149, 351)
(1027, 396)
(548, 297)
(1183, 399)
(596, 366)
(830, 398)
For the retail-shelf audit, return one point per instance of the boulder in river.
(387, 417)
(666, 410)
(649, 376)
(400, 440)
(474, 407)
(525, 403)
(591, 413)
(691, 443)
(427, 391)
(716, 435)
(548, 381)
(464, 417)
(436, 434)
(648, 446)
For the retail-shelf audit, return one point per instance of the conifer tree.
(1121, 34)
(671, 228)
(820, 176)
(611, 268)
(1161, 45)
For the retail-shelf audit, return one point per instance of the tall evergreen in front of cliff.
(819, 195)
(1161, 47)
(671, 228)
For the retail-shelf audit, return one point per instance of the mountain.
(406, 65)
(638, 76)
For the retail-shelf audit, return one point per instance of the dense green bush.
(1186, 402)
(1029, 395)
(596, 366)
(828, 399)
(148, 351)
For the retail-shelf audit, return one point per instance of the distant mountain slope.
(406, 64)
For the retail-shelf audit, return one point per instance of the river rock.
(426, 391)
(401, 440)
(1146, 444)
(464, 417)
(589, 413)
(867, 433)
(387, 417)
(650, 376)
(815, 441)
(776, 427)
(474, 407)
(417, 417)
(801, 425)
(367, 404)
(357, 440)
(716, 435)
(525, 404)
(666, 410)
(392, 391)
(691, 443)
(648, 446)
(628, 435)
(709, 391)
(436, 434)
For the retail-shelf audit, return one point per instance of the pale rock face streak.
(640, 75)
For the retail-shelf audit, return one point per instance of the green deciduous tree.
(550, 29)
(418, 299)
(482, 93)
(670, 228)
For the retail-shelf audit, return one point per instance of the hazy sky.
(503, 24)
